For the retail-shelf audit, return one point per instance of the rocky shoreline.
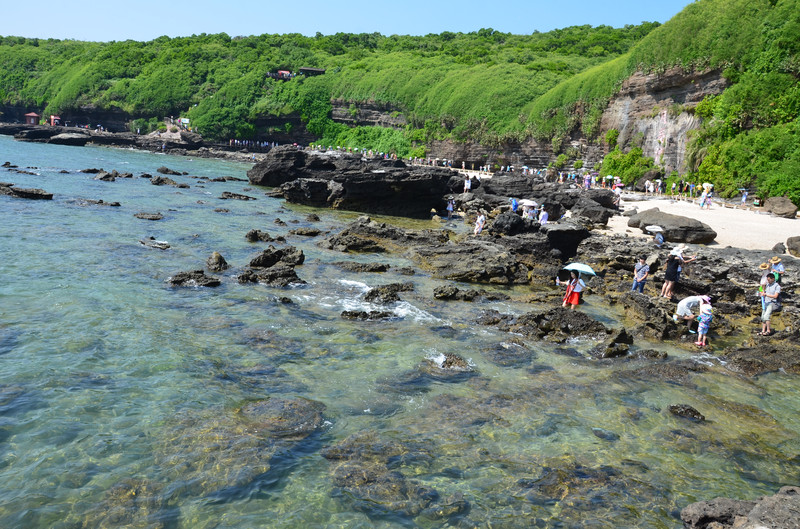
(183, 143)
(517, 251)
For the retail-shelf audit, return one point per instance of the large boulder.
(781, 207)
(793, 246)
(282, 164)
(348, 182)
(676, 228)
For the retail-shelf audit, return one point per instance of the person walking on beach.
(704, 322)
(771, 293)
(640, 272)
(451, 204)
(575, 286)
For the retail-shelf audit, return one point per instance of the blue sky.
(99, 20)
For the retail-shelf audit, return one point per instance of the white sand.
(741, 228)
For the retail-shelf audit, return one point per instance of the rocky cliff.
(656, 111)
(652, 111)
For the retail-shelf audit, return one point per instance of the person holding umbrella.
(575, 286)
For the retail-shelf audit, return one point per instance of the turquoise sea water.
(120, 395)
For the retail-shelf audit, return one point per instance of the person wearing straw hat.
(764, 267)
(771, 293)
(777, 268)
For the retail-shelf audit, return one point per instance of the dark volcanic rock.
(69, 138)
(350, 183)
(387, 293)
(279, 275)
(226, 195)
(195, 278)
(509, 223)
(271, 256)
(19, 192)
(167, 170)
(362, 315)
(775, 512)
(684, 410)
(258, 235)
(148, 216)
(216, 263)
(163, 181)
(676, 227)
(353, 266)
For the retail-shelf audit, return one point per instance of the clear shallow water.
(119, 394)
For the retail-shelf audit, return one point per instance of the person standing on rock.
(480, 222)
(762, 284)
(543, 216)
(640, 272)
(450, 207)
(670, 276)
(575, 286)
(467, 185)
(704, 323)
(771, 293)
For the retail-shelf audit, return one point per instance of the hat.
(705, 309)
(706, 299)
(775, 260)
(763, 266)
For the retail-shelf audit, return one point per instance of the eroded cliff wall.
(656, 112)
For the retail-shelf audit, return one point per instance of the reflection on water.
(125, 402)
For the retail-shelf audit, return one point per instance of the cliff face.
(367, 114)
(653, 111)
(656, 112)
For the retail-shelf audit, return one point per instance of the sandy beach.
(741, 228)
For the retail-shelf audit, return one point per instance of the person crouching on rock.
(575, 286)
(685, 308)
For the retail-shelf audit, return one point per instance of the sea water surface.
(120, 396)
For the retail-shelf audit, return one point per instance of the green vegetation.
(486, 86)
(466, 87)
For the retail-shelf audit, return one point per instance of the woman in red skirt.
(575, 286)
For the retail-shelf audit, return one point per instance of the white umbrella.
(653, 228)
(526, 202)
(580, 267)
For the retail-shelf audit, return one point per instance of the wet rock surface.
(195, 278)
(777, 511)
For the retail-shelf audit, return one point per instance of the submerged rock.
(684, 410)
